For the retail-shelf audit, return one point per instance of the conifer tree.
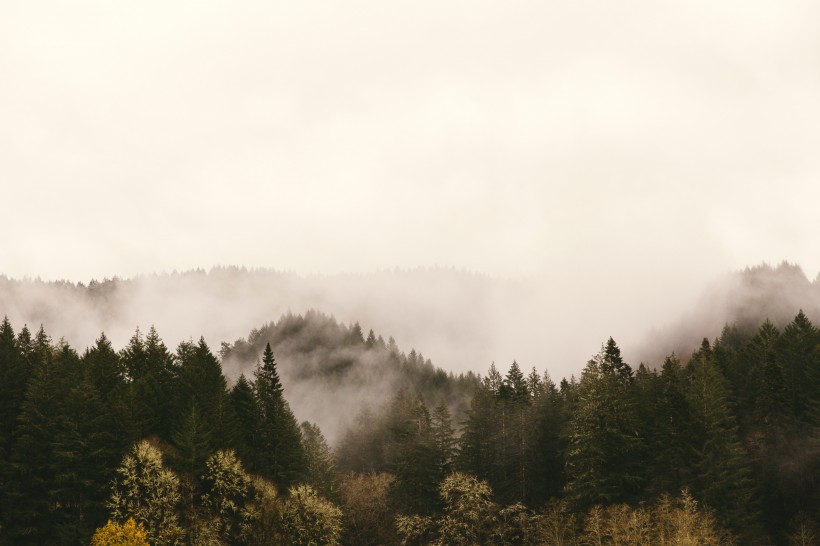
(513, 404)
(799, 357)
(671, 434)
(414, 455)
(246, 410)
(723, 478)
(479, 449)
(152, 374)
(104, 370)
(204, 419)
(13, 377)
(441, 427)
(282, 458)
(546, 451)
(192, 438)
(602, 435)
(28, 519)
(320, 466)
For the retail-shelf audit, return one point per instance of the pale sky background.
(637, 148)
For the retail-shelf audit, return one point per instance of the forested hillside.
(157, 442)
(333, 371)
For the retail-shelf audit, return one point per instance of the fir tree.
(723, 478)
(444, 438)
(602, 436)
(282, 458)
(246, 410)
(320, 466)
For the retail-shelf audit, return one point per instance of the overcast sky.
(641, 145)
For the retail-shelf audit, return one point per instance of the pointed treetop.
(611, 361)
(6, 331)
(266, 375)
(493, 381)
(515, 382)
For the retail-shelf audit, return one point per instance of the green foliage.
(415, 459)
(245, 408)
(368, 517)
(152, 374)
(738, 426)
(503, 439)
(280, 455)
(310, 520)
(192, 439)
(227, 497)
(723, 477)
(602, 435)
(148, 492)
(321, 468)
(204, 417)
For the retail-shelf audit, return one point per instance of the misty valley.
(310, 431)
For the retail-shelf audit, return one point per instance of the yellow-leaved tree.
(129, 533)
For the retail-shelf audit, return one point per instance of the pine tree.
(27, 518)
(479, 449)
(441, 427)
(321, 468)
(152, 374)
(513, 404)
(799, 356)
(602, 436)
(13, 377)
(546, 450)
(671, 434)
(104, 370)
(192, 439)
(414, 455)
(203, 417)
(61, 460)
(723, 478)
(246, 409)
(282, 457)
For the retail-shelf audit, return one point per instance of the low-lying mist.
(461, 321)
(744, 299)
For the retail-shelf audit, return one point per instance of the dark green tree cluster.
(161, 437)
(736, 426)
(67, 419)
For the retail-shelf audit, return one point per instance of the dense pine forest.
(148, 445)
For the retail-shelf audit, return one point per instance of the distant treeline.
(156, 447)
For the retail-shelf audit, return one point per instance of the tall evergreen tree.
(60, 461)
(27, 518)
(13, 377)
(546, 451)
(799, 355)
(441, 426)
(671, 433)
(479, 450)
(203, 413)
(321, 468)
(152, 373)
(723, 477)
(414, 457)
(282, 458)
(602, 435)
(246, 409)
(513, 404)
